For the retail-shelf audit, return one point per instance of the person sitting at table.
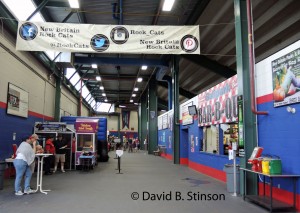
(25, 157)
(49, 149)
(60, 154)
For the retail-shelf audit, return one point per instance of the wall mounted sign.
(286, 79)
(186, 117)
(165, 121)
(218, 104)
(17, 101)
(159, 123)
(66, 37)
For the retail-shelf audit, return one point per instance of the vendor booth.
(53, 129)
(86, 141)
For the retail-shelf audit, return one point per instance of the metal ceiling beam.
(161, 104)
(182, 92)
(67, 17)
(58, 4)
(38, 9)
(211, 65)
(196, 13)
(117, 92)
(120, 61)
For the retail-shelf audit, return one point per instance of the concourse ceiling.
(276, 24)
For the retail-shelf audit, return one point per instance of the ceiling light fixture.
(136, 89)
(94, 66)
(101, 87)
(122, 106)
(168, 4)
(103, 94)
(131, 101)
(144, 67)
(133, 95)
(139, 79)
(98, 78)
(136, 104)
(105, 100)
(74, 3)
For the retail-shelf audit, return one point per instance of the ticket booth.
(86, 139)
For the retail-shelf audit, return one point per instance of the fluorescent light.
(121, 106)
(94, 66)
(144, 67)
(139, 79)
(105, 100)
(101, 87)
(98, 78)
(133, 95)
(136, 89)
(168, 5)
(136, 104)
(74, 3)
(103, 94)
(162, 110)
(131, 101)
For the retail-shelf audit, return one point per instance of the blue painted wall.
(216, 161)
(278, 135)
(10, 124)
(165, 138)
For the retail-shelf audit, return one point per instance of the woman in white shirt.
(25, 157)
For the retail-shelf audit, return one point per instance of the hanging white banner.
(92, 38)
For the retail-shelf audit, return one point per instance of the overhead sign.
(63, 37)
(218, 104)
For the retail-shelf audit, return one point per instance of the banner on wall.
(186, 117)
(165, 121)
(218, 104)
(170, 123)
(159, 123)
(66, 37)
(125, 119)
(286, 79)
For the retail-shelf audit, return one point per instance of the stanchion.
(119, 165)
(119, 153)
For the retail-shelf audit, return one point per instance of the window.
(211, 139)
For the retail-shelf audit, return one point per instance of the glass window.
(211, 139)
(22, 9)
(85, 142)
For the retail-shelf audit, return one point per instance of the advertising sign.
(286, 79)
(159, 123)
(66, 37)
(186, 117)
(17, 101)
(218, 104)
(86, 126)
(165, 121)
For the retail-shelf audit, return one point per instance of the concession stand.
(86, 142)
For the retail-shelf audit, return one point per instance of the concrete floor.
(102, 190)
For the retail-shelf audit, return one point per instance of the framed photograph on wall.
(17, 101)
